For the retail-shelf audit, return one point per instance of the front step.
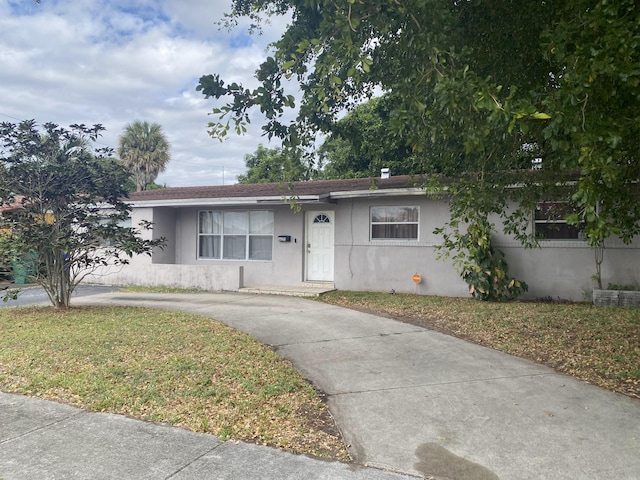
(307, 289)
(314, 284)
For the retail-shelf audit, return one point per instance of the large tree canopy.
(66, 215)
(274, 165)
(481, 89)
(361, 144)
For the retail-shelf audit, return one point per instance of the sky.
(113, 62)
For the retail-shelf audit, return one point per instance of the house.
(354, 234)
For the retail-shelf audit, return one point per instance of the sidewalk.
(407, 400)
(42, 440)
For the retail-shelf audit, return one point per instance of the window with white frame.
(550, 223)
(235, 234)
(394, 223)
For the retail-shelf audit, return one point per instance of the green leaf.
(541, 116)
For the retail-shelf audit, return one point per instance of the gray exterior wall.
(179, 226)
(212, 278)
(385, 265)
(564, 269)
(557, 269)
(164, 225)
(285, 268)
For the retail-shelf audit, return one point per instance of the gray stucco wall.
(557, 269)
(564, 269)
(203, 277)
(164, 225)
(286, 266)
(385, 265)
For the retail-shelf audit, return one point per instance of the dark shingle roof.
(316, 187)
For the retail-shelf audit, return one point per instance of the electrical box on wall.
(284, 238)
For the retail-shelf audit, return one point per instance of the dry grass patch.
(187, 370)
(600, 345)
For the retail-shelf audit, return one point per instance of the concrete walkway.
(41, 440)
(407, 400)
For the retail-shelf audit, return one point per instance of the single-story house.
(354, 234)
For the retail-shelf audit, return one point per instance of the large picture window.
(550, 223)
(394, 223)
(235, 234)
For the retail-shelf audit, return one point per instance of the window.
(109, 241)
(260, 235)
(209, 234)
(235, 235)
(234, 240)
(394, 223)
(550, 223)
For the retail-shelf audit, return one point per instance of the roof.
(16, 203)
(311, 191)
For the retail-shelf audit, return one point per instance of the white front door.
(320, 246)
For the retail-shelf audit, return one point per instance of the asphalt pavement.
(35, 295)
(409, 402)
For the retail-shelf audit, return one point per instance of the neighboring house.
(356, 234)
(13, 206)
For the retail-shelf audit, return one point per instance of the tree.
(595, 121)
(362, 143)
(144, 150)
(68, 217)
(439, 67)
(274, 165)
(480, 96)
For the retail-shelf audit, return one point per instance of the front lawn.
(187, 370)
(600, 345)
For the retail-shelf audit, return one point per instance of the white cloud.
(119, 61)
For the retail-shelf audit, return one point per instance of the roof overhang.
(230, 202)
(374, 193)
(330, 197)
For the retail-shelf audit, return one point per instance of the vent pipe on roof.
(384, 173)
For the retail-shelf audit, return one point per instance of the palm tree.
(144, 150)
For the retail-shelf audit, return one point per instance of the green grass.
(187, 370)
(600, 345)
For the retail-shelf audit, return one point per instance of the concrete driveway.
(419, 402)
(416, 401)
